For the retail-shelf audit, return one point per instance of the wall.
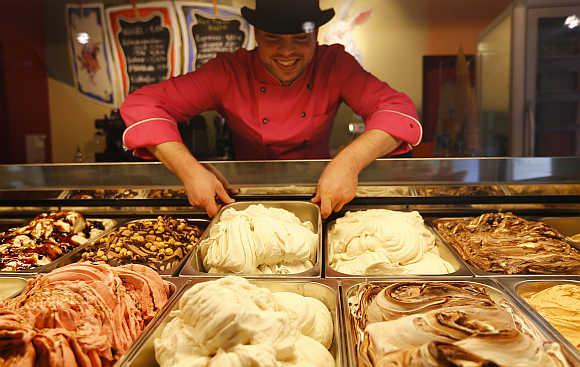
(392, 42)
(24, 79)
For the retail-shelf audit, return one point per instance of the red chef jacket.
(269, 120)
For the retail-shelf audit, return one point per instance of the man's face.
(286, 56)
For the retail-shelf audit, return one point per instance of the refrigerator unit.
(528, 80)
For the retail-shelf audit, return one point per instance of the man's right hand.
(204, 190)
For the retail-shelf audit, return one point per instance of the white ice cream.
(231, 322)
(380, 241)
(259, 240)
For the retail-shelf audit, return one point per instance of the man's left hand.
(336, 186)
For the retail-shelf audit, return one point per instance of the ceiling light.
(572, 21)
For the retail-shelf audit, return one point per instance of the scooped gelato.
(560, 306)
(231, 322)
(259, 240)
(443, 324)
(79, 315)
(380, 241)
(508, 244)
(46, 238)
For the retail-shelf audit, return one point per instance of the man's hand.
(205, 191)
(338, 182)
(336, 186)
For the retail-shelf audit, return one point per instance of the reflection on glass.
(558, 91)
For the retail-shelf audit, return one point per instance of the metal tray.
(519, 286)
(350, 288)
(143, 353)
(76, 254)
(562, 224)
(305, 211)
(13, 285)
(458, 264)
(61, 261)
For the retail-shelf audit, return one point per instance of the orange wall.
(448, 29)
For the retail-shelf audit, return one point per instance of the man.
(279, 100)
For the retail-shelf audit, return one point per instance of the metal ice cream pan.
(568, 226)
(13, 285)
(520, 286)
(76, 255)
(62, 260)
(351, 287)
(327, 291)
(446, 254)
(305, 211)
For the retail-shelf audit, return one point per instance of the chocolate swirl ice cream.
(442, 324)
(508, 244)
(46, 238)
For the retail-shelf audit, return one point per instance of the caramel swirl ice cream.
(442, 324)
(508, 244)
(560, 306)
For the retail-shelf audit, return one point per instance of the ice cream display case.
(484, 222)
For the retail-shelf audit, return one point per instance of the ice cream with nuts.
(259, 240)
(159, 243)
(46, 238)
(232, 322)
(100, 194)
(380, 241)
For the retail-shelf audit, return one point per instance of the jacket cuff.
(149, 132)
(400, 125)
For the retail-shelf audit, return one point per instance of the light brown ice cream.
(560, 306)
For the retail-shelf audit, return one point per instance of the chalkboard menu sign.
(213, 35)
(207, 32)
(146, 48)
(146, 44)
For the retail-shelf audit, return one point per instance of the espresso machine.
(194, 133)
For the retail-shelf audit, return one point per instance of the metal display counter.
(531, 187)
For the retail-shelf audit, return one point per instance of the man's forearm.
(177, 158)
(366, 148)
